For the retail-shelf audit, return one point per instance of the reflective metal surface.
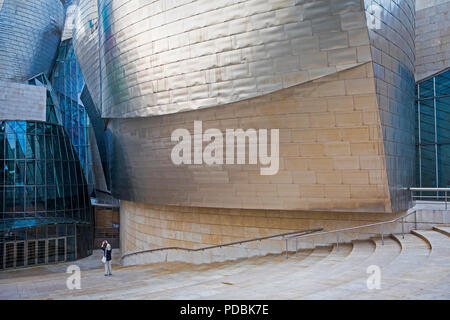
(85, 39)
(159, 58)
(432, 39)
(391, 30)
(164, 57)
(30, 31)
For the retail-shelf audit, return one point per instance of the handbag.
(104, 257)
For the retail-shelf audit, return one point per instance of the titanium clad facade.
(391, 31)
(164, 57)
(30, 31)
(85, 39)
(336, 77)
(432, 39)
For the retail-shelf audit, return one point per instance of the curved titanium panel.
(164, 57)
(392, 31)
(30, 31)
(85, 40)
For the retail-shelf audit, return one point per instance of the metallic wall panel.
(392, 31)
(30, 31)
(432, 40)
(85, 39)
(22, 102)
(331, 152)
(164, 57)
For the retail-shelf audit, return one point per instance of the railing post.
(337, 241)
(415, 220)
(382, 236)
(287, 252)
(446, 200)
(403, 228)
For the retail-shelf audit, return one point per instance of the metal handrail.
(437, 190)
(409, 212)
(303, 232)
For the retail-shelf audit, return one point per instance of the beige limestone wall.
(331, 152)
(146, 226)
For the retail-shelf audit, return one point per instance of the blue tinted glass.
(443, 84)
(10, 169)
(21, 127)
(428, 166)
(427, 121)
(10, 126)
(10, 148)
(2, 146)
(20, 146)
(20, 173)
(444, 165)
(443, 119)
(426, 89)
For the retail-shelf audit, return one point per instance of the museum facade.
(356, 92)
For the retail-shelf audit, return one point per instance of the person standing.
(106, 247)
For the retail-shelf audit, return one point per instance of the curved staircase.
(413, 266)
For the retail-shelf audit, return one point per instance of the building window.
(433, 131)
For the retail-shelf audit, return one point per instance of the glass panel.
(30, 204)
(40, 172)
(2, 146)
(31, 127)
(21, 126)
(51, 250)
(9, 200)
(427, 121)
(40, 199)
(443, 84)
(70, 248)
(443, 119)
(41, 251)
(20, 254)
(20, 146)
(20, 173)
(49, 147)
(39, 128)
(40, 147)
(9, 255)
(10, 169)
(10, 126)
(31, 259)
(426, 89)
(31, 172)
(31, 146)
(10, 146)
(50, 171)
(19, 200)
(61, 250)
(2, 247)
(51, 199)
(428, 166)
(444, 165)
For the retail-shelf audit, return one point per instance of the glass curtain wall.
(67, 81)
(43, 195)
(433, 131)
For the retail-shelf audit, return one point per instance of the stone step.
(353, 278)
(414, 253)
(444, 229)
(429, 275)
